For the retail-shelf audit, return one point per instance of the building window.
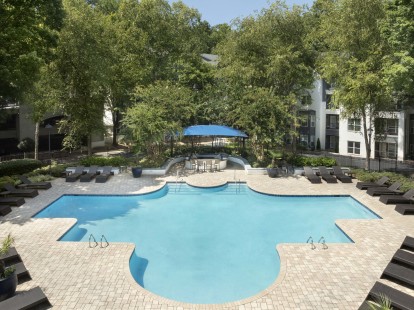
(354, 147)
(312, 120)
(387, 126)
(354, 124)
(386, 150)
(332, 121)
(392, 126)
(304, 140)
(9, 122)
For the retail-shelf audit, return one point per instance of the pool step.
(183, 189)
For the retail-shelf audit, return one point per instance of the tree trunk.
(36, 140)
(367, 140)
(89, 144)
(115, 124)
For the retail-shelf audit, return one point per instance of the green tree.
(28, 35)
(83, 69)
(161, 110)
(398, 30)
(352, 57)
(268, 55)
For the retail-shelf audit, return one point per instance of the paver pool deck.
(74, 276)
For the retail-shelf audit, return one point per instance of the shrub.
(19, 166)
(104, 161)
(5, 180)
(300, 161)
(54, 170)
(26, 145)
(367, 176)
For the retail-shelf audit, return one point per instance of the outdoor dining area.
(214, 161)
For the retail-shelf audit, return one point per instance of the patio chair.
(31, 299)
(26, 183)
(93, 172)
(398, 299)
(405, 209)
(408, 244)
(340, 175)
(13, 201)
(379, 183)
(4, 210)
(12, 191)
(104, 175)
(399, 273)
(325, 174)
(396, 199)
(312, 177)
(403, 257)
(391, 190)
(75, 175)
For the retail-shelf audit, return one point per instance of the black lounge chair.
(340, 175)
(408, 244)
(93, 172)
(379, 183)
(4, 210)
(312, 177)
(104, 175)
(26, 183)
(396, 199)
(11, 257)
(31, 299)
(12, 191)
(391, 190)
(400, 274)
(405, 209)
(13, 201)
(326, 175)
(404, 258)
(75, 175)
(398, 299)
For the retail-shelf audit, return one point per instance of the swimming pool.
(206, 246)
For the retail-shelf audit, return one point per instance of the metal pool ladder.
(310, 240)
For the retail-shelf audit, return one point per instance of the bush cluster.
(54, 170)
(300, 161)
(18, 166)
(115, 161)
(5, 180)
(367, 176)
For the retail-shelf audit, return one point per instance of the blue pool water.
(206, 245)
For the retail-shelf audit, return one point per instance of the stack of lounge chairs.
(382, 190)
(400, 271)
(92, 172)
(104, 175)
(26, 183)
(406, 198)
(31, 299)
(340, 175)
(380, 183)
(311, 176)
(326, 175)
(11, 191)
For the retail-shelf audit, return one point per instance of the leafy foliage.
(366, 176)
(115, 161)
(18, 166)
(26, 145)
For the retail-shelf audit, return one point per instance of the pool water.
(206, 246)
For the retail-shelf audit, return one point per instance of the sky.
(223, 11)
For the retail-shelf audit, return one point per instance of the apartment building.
(16, 124)
(345, 135)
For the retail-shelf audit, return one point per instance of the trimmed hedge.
(18, 166)
(115, 161)
(300, 161)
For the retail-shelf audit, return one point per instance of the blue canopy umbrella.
(213, 131)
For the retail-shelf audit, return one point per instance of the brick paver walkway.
(74, 276)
